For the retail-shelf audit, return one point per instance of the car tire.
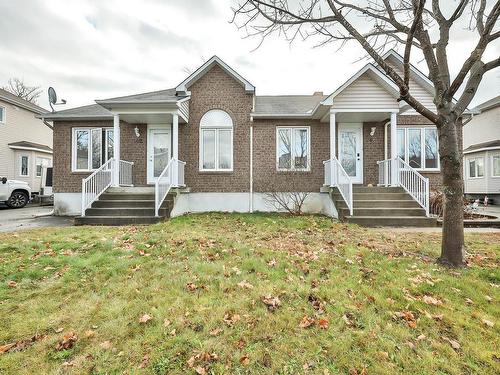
(18, 199)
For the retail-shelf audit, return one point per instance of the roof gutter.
(281, 115)
(482, 149)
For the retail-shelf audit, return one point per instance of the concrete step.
(126, 196)
(377, 189)
(380, 203)
(385, 212)
(117, 220)
(119, 212)
(132, 189)
(393, 221)
(145, 203)
(376, 196)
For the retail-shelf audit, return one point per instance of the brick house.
(212, 144)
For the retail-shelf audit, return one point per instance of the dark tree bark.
(411, 24)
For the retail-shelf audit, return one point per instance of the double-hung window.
(216, 141)
(293, 148)
(2, 115)
(495, 165)
(91, 147)
(476, 167)
(419, 147)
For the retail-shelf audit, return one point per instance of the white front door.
(351, 150)
(159, 151)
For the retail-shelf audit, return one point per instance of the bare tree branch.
(17, 87)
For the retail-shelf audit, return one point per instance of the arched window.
(216, 141)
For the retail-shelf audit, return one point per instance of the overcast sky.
(91, 49)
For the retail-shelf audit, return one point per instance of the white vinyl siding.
(365, 93)
(416, 90)
(488, 184)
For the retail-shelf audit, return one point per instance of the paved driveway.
(25, 218)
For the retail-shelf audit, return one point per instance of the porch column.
(116, 150)
(333, 135)
(394, 150)
(175, 147)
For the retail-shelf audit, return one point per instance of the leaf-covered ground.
(245, 294)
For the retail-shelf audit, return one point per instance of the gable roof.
(375, 73)
(286, 105)
(19, 102)
(88, 112)
(183, 87)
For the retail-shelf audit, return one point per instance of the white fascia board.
(282, 115)
(30, 149)
(380, 78)
(200, 72)
(482, 149)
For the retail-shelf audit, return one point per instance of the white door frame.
(149, 157)
(358, 127)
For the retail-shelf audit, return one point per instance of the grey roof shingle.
(478, 146)
(287, 104)
(492, 103)
(16, 100)
(26, 144)
(93, 111)
(161, 95)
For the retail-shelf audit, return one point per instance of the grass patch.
(346, 299)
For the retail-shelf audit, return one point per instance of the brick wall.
(217, 90)
(266, 176)
(132, 149)
(373, 151)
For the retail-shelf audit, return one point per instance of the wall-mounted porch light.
(373, 129)
(136, 130)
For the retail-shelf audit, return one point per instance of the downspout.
(250, 197)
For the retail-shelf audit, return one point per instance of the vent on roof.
(318, 93)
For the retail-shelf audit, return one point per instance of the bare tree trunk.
(452, 245)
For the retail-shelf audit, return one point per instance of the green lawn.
(245, 294)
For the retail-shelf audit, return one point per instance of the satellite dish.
(53, 98)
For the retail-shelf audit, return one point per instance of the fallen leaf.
(7, 347)
(468, 301)
(145, 361)
(487, 322)
(432, 301)
(454, 344)
(89, 333)
(166, 322)
(323, 323)
(245, 285)
(272, 303)
(12, 284)
(59, 330)
(191, 287)
(106, 345)
(216, 332)
(488, 298)
(245, 361)
(306, 322)
(200, 370)
(68, 341)
(230, 318)
(145, 318)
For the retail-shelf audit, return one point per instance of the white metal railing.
(397, 172)
(171, 176)
(126, 173)
(336, 176)
(95, 184)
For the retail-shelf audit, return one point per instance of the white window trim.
(21, 165)
(492, 169)
(422, 147)
(469, 177)
(73, 149)
(108, 130)
(292, 168)
(216, 128)
(3, 119)
(202, 149)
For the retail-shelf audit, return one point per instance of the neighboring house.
(25, 141)
(482, 152)
(225, 147)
